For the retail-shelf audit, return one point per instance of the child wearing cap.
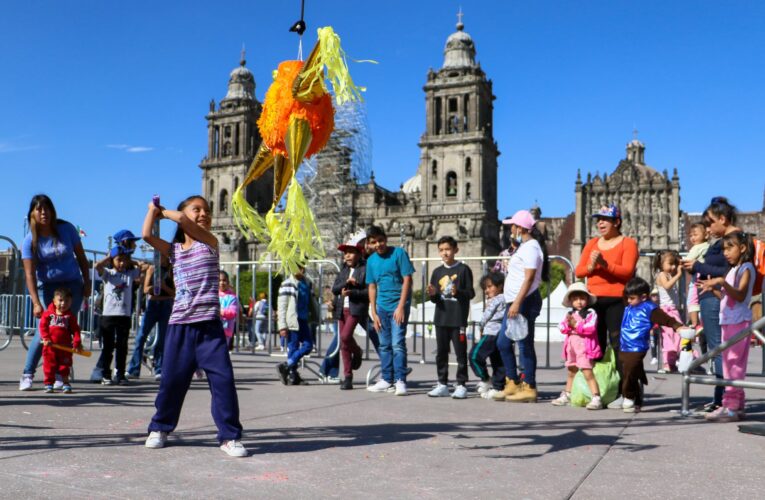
(581, 347)
(351, 305)
(126, 239)
(114, 325)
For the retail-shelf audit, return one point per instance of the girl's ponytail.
(540, 237)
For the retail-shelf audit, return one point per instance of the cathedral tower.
(232, 140)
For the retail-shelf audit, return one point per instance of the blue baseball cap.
(119, 250)
(124, 235)
(609, 212)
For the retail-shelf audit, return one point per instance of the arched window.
(236, 183)
(435, 192)
(468, 195)
(223, 201)
(434, 169)
(451, 184)
(468, 166)
(211, 189)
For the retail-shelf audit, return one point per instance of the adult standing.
(53, 257)
(609, 262)
(527, 268)
(720, 218)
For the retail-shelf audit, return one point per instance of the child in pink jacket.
(581, 346)
(229, 307)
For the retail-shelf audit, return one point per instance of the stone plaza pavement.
(316, 441)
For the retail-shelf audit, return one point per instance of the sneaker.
(284, 372)
(156, 440)
(199, 374)
(708, 407)
(492, 394)
(234, 448)
(526, 394)
(616, 404)
(48, 389)
(260, 347)
(439, 391)
(460, 392)
(66, 389)
(482, 387)
(380, 386)
(562, 400)
(654, 361)
(408, 370)
(400, 388)
(628, 405)
(722, 414)
(122, 381)
(595, 403)
(331, 380)
(158, 377)
(132, 376)
(296, 379)
(106, 381)
(25, 382)
(59, 383)
(498, 395)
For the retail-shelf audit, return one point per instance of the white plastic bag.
(684, 361)
(517, 328)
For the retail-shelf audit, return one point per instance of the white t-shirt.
(347, 299)
(118, 291)
(528, 256)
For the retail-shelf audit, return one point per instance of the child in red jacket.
(58, 325)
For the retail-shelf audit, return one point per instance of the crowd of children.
(373, 291)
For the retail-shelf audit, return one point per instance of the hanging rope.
(299, 28)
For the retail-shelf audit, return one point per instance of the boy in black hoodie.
(451, 289)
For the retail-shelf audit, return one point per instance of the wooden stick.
(81, 352)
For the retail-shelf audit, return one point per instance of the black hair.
(224, 273)
(540, 237)
(42, 200)
(447, 240)
(720, 206)
(658, 259)
(741, 238)
(637, 287)
(495, 278)
(180, 236)
(63, 291)
(376, 232)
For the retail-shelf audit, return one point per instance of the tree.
(557, 274)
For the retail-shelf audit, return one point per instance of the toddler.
(668, 274)
(58, 325)
(486, 347)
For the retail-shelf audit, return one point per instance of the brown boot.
(526, 394)
(510, 388)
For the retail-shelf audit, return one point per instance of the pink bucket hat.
(522, 218)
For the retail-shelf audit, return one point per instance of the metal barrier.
(689, 379)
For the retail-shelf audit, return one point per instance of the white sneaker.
(59, 383)
(156, 440)
(158, 377)
(439, 391)
(234, 448)
(563, 400)
(460, 392)
(628, 405)
(595, 404)
(260, 347)
(616, 404)
(380, 386)
(25, 383)
(490, 394)
(331, 380)
(654, 361)
(199, 374)
(483, 387)
(401, 388)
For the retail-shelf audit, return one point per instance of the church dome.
(460, 50)
(241, 83)
(412, 185)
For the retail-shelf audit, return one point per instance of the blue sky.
(103, 102)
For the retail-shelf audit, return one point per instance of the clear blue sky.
(103, 102)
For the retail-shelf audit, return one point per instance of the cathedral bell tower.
(458, 154)
(232, 141)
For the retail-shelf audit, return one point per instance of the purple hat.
(609, 212)
(522, 218)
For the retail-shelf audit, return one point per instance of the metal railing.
(688, 378)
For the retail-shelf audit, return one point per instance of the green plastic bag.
(608, 382)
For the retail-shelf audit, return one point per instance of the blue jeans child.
(392, 346)
(299, 344)
(157, 313)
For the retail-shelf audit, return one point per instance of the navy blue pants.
(530, 308)
(188, 348)
(299, 343)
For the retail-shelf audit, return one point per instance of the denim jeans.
(710, 318)
(256, 330)
(157, 313)
(299, 344)
(45, 293)
(330, 367)
(392, 346)
(530, 309)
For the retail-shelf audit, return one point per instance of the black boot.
(347, 383)
(296, 379)
(284, 372)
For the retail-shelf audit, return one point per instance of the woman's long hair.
(720, 206)
(180, 236)
(39, 200)
(540, 237)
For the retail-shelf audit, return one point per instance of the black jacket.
(359, 297)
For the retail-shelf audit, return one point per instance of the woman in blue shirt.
(53, 257)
